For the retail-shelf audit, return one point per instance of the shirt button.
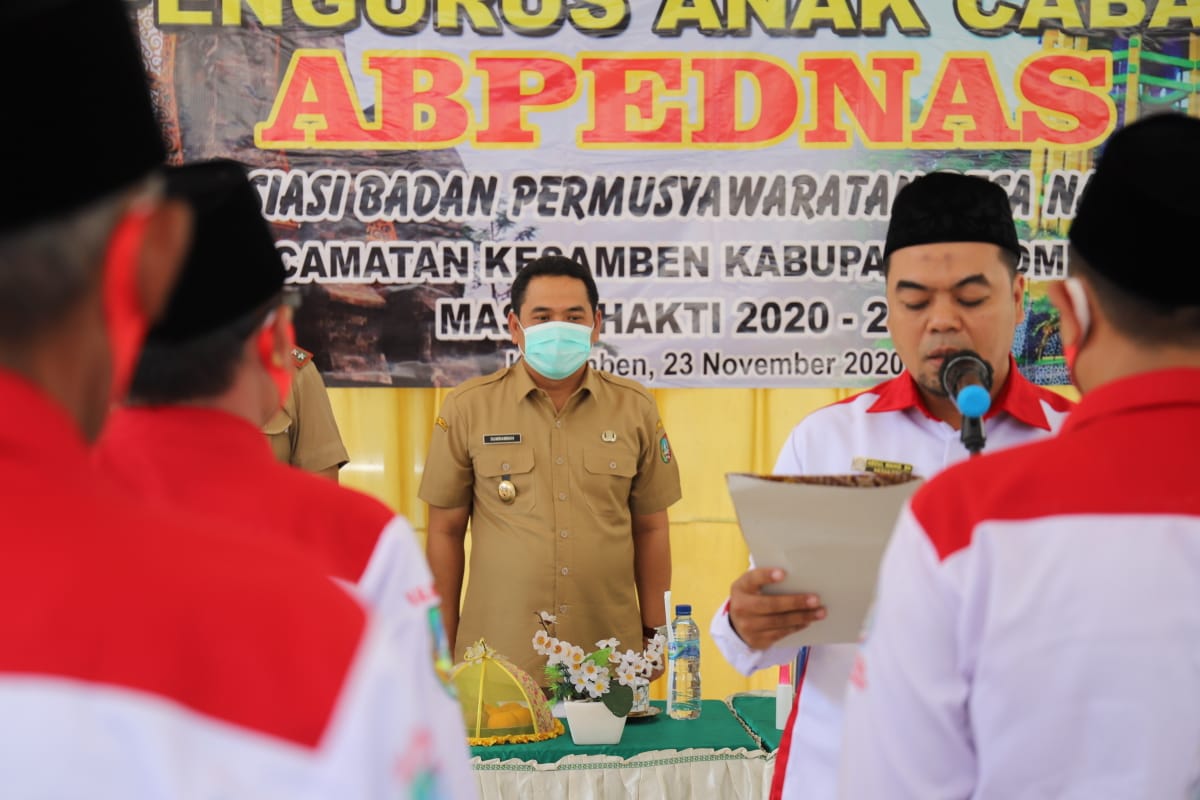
(565, 570)
(504, 467)
(562, 534)
(559, 460)
(612, 465)
(562, 609)
(562, 495)
(558, 423)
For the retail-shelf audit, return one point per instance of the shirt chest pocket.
(507, 463)
(609, 474)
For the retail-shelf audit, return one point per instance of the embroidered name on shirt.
(421, 595)
(879, 465)
(502, 438)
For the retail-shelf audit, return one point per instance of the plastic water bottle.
(683, 665)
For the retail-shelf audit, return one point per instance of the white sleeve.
(740, 655)
(397, 579)
(906, 732)
(791, 455)
(398, 730)
(398, 669)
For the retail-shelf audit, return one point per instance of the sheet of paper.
(828, 533)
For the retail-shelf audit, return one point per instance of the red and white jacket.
(886, 423)
(219, 468)
(142, 656)
(1037, 625)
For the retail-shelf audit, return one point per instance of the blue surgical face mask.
(556, 349)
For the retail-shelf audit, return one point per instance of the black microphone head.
(958, 365)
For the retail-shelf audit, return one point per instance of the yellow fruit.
(501, 719)
(520, 713)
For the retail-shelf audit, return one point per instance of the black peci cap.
(81, 125)
(233, 266)
(949, 207)
(1137, 220)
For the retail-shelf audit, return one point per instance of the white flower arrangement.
(573, 674)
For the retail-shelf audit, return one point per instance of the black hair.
(198, 368)
(552, 265)
(48, 268)
(1139, 319)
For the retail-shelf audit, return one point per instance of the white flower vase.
(592, 722)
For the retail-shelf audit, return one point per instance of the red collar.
(188, 429)
(1018, 398)
(36, 429)
(1165, 387)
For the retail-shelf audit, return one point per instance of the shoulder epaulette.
(481, 380)
(300, 357)
(624, 383)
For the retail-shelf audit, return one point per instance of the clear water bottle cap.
(683, 610)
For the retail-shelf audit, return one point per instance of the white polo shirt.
(886, 423)
(1037, 626)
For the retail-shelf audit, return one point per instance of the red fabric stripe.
(1086, 469)
(785, 742)
(102, 590)
(219, 467)
(1017, 397)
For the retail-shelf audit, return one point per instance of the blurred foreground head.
(225, 327)
(1132, 302)
(88, 245)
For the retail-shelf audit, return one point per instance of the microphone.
(967, 379)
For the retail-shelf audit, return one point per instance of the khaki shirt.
(564, 544)
(304, 433)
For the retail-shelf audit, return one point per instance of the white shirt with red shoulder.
(145, 655)
(1037, 626)
(888, 424)
(219, 469)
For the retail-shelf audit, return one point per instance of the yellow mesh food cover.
(500, 702)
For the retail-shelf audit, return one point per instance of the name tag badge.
(502, 438)
(862, 464)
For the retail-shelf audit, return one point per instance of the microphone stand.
(972, 435)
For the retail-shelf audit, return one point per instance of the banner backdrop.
(724, 167)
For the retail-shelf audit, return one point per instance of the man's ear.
(168, 235)
(276, 339)
(285, 333)
(1070, 326)
(1019, 296)
(599, 318)
(514, 329)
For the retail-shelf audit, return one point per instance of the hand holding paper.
(761, 619)
(826, 533)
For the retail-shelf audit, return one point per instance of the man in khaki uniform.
(304, 432)
(565, 474)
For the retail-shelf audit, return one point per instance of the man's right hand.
(761, 620)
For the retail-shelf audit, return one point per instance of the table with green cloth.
(756, 710)
(713, 756)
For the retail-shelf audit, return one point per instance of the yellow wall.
(713, 431)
